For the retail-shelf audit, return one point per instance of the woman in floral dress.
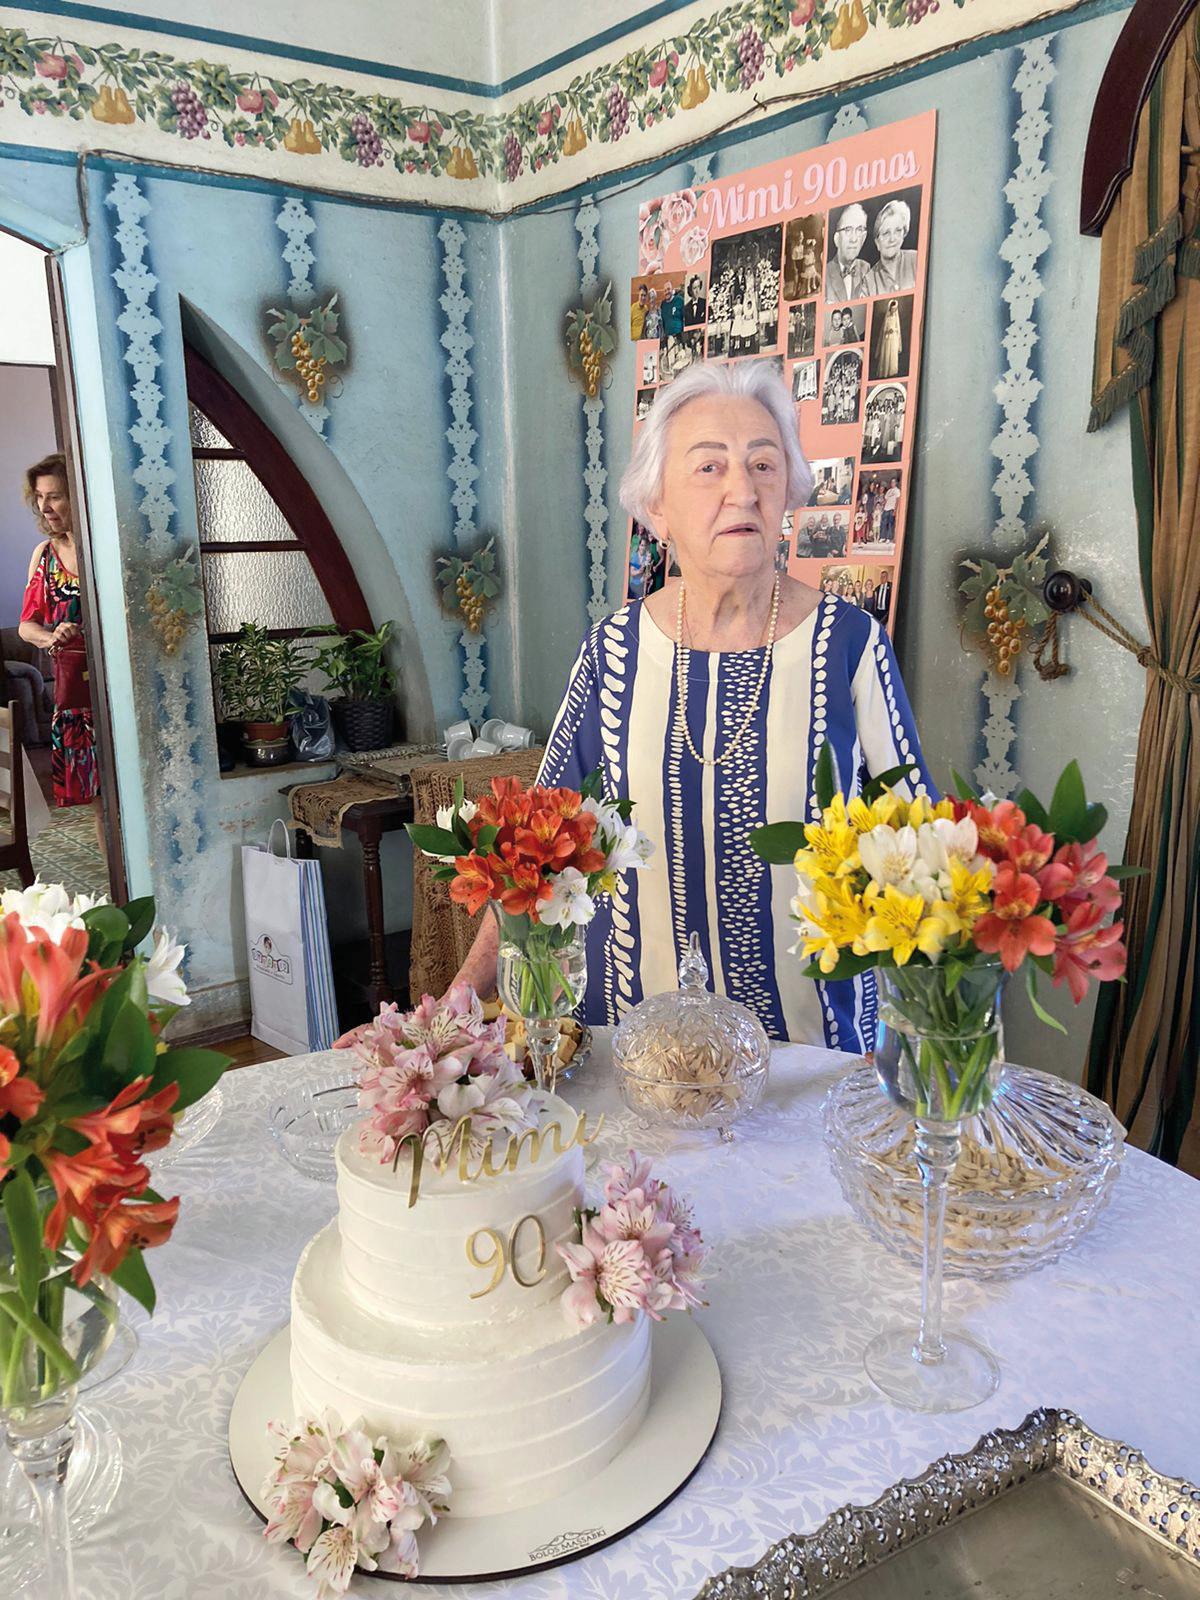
(51, 618)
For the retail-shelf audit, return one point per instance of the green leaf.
(592, 787)
(825, 777)
(1121, 873)
(1094, 822)
(1034, 810)
(778, 842)
(1068, 809)
(194, 1070)
(25, 1231)
(129, 1048)
(888, 780)
(434, 841)
(964, 789)
(134, 1277)
(141, 912)
(1039, 1010)
(460, 792)
(485, 839)
(106, 925)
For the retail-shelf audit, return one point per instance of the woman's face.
(889, 235)
(724, 487)
(53, 505)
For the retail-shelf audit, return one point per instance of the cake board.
(680, 1422)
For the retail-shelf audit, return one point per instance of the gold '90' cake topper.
(457, 1146)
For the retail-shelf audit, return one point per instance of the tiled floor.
(67, 852)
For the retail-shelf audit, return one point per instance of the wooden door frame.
(67, 404)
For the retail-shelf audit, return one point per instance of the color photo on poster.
(818, 263)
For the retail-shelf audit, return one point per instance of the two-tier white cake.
(441, 1319)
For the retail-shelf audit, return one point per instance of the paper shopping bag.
(287, 940)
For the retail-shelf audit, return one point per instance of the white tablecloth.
(796, 1290)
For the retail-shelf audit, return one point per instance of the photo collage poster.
(816, 263)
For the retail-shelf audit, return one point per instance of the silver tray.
(1062, 1512)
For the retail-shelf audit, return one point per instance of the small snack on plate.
(570, 1036)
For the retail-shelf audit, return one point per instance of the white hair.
(901, 207)
(751, 380)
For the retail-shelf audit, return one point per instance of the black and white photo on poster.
(845, 324)
(873, 530)
(806, 381)
(891, 337)
(678, 352)
(883, 423)
(783, 554)
(695, 299)
(803, 253)
(802, 331)
(840, 391)
(819, 534)
(833, 481)
(645, 399)
(743, 293)
(647, 569)
(649, 366)
(873, 246)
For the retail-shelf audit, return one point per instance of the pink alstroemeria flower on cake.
(426, 1069)
(640, 1251)
(346, 1500)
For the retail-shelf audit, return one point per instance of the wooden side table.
(369, 820)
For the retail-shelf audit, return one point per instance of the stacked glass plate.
(1037, 1167)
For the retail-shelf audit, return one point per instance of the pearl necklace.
(682, 653)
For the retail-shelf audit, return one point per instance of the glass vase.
(54, 1337)
(938, 1048)
(541, 973)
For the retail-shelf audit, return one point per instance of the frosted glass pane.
(204, 435)
(279, 591)
(233, 505)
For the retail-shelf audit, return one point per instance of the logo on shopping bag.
(269, 960)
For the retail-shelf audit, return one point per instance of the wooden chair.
(14, 840)
(442, 932)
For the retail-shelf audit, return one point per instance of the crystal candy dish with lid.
(1037, 1167)
(691, 1059)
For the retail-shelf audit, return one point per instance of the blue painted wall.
(1004, 243)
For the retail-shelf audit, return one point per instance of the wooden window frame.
(254, 443)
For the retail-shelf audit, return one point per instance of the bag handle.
(280, 822)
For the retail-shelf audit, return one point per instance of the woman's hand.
(351, 1037)
(63, 634)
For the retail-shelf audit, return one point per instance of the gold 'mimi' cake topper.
(460, 1139)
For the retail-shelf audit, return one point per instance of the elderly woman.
(707, 704)
(52, 619)
(896, 267)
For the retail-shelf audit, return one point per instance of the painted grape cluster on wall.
(732, 50)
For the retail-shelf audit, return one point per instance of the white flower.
(49, 907)
(889, 854)
(630, 850)
(460, 1099)
(332, 1560)
(940, 842)
(569, 902)
(162, 971)
(446, 814)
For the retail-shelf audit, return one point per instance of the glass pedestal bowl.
(691, 1059)
(1037, 1167)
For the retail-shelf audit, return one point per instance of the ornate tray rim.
(855, 1538)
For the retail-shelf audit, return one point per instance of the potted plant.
(357, 671)
(255, 678)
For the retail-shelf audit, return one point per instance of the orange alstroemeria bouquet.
(88, 1087)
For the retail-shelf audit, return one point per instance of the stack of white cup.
(495, 736)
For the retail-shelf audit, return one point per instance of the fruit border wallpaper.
(150, 96)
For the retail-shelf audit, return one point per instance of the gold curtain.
(1146, 1038)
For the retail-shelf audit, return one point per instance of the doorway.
(51, 654)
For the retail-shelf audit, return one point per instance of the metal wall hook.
(1063, 591)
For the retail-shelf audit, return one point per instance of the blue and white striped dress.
(834, 678)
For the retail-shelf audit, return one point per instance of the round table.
(796, 1289)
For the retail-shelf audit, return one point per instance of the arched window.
(268, 552)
